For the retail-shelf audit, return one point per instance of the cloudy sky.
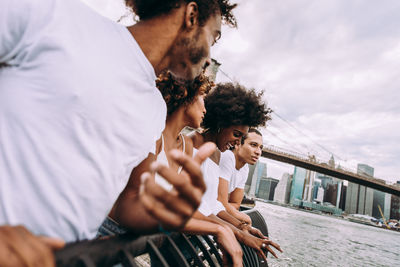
(329, 69)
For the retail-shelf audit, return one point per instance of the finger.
(170, 200)
(261, 254)
(181, 183)
(42, 254)
(191, 167)
(261, 234)
(27, 247)
(271, 251)
(53, 243)
(169, 220)
(275, 245)
(256, 232)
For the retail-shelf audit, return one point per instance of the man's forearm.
(234, 205)
(224, 215)
(201, 227)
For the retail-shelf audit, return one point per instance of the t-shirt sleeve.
(205, 208)
(218, 207)
(227, 165)
(244, 172)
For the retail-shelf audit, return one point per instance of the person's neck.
(156, 36)
(210, 137)
(173, 126)
(239, 163)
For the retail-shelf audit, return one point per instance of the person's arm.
(236, 197)
(18, 247)
(258, 244)
(223, 198)
(144, 205)
(224, 236)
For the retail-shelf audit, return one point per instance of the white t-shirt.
(236, 178)
(78, 110)
(209, 202)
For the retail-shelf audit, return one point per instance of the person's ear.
(191, 15)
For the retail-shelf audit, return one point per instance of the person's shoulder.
(196, 138)
(228, 155)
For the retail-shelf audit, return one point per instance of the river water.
(309, 239)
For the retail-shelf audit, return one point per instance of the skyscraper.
(359, 198)
(296, 192)
(266, 188)
(260, 170)
(282, 190)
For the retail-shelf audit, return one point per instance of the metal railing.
(175, 249)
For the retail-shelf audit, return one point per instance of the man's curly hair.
(231, 104)
(146, 9)
(177, 93)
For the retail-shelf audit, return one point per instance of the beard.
(187, 53)
(196, 53)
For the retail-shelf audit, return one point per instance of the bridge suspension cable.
(301, 132)
(293, 127)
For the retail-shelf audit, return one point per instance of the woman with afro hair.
(231, 111)
(185, 107)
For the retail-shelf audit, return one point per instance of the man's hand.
(254, 231)
(18, 247)
(174, 208)
(259, 244)
(229, 245)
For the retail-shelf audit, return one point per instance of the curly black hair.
(176, 93)
(232, 104)
(146, 9)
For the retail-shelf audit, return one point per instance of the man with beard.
(74, 89)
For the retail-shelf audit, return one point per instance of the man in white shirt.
(234, 171)
(79, 110)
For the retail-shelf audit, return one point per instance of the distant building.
(359, 199)
(395, 207)
(352, 198)
(282, 190)
(387, 208)
(320, 195)
(382, 200)
(249, 178)
(266, 188)
(260, 171)
(299, 177)
(343, 194)
(302, 186)
(365, 170)
(331, 193)
(317, 185)
(332, 187)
